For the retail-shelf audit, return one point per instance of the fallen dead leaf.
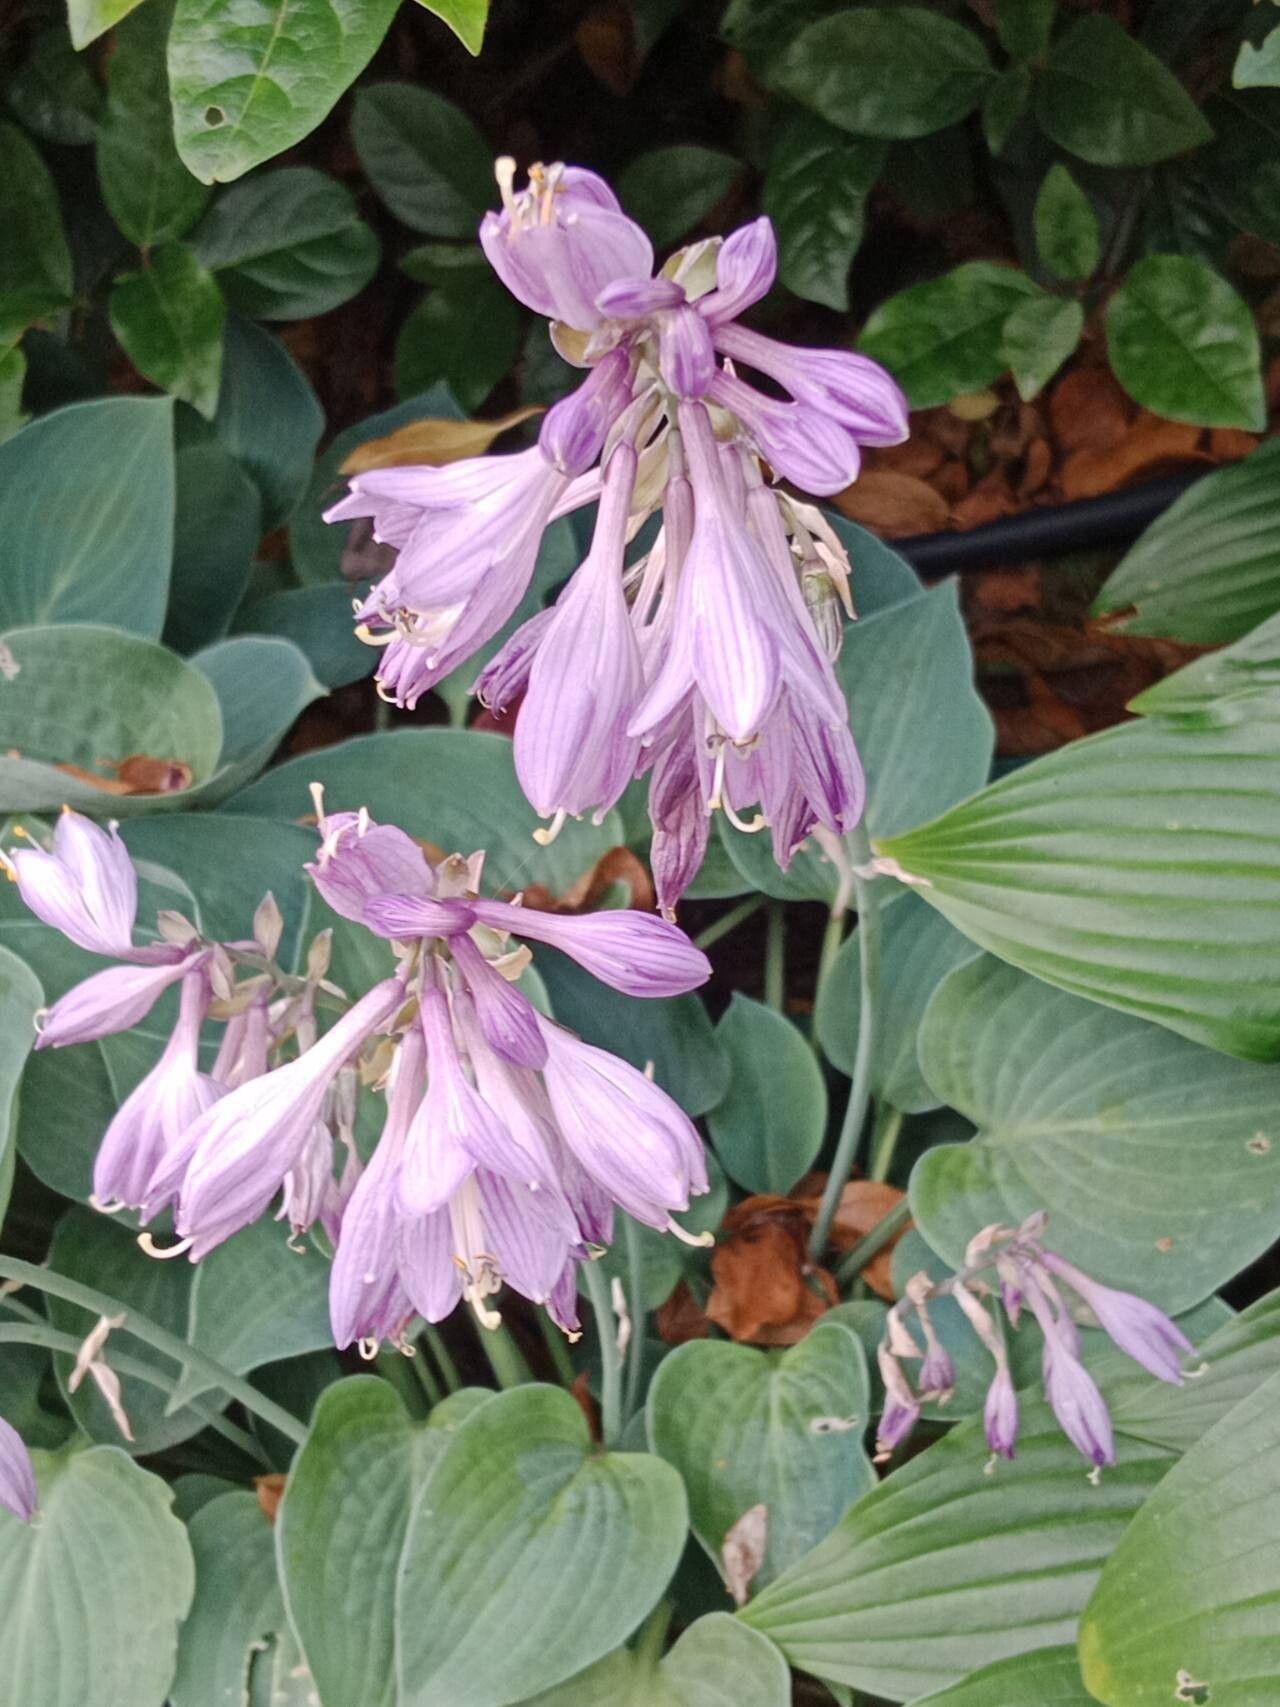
(1088, 410)
(742, 1551)
(138, 774)
(1005, 591)
(270, 1491)
(432, 441)
(1036, 467)
(951, 481)
(1231, 444)
(915, 456)
(864, 1203)
(681, 1318)
(618, 865)
(990, 499)
(766, 1289)
(1150, 446)
(895, 505)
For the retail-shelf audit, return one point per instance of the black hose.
(1117, 518)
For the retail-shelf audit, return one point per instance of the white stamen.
(547, 833)
(149, 1245)
(699, 1241)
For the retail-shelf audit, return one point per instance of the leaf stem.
(611, 1362)
(868, 904)
(33, 1333)
(653, 1633)
(635, 1301)
(160, 1339)
(505, 1357)
(884, 1141)
(443, 1356)
(775, 958)
(558, 1346)
(872, 1243)
(729, 921)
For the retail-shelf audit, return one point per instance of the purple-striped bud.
(1000, 1413)
(574, 429)
(799, 442)
(1141, 1330)
(901, 1407)
(745, 270)
(86, 887)
(1078, 1405)
(686, 355)
(851, 389)
(110, 1001)
(636, 299)
(637, 953)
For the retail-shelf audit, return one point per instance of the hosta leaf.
(341, 1526)
(1137, 867)
(1159, 1167)
(1220, 684)
(91, 1593)
(881, 71)
(1049, 1677)
(517, 1498)
(1185, 345)
(918, 950)
(424, 157)
(169, 319)
(251, 82)
(20, 997)
(107, 557)
(262, 685)
(317, 621)
(268, 417)
(769, 1125)
(815, 191)
(1258, 67)
(237, 1604)
(1208, 569)
(148, 191)
(944, 1568)
(287, 245)
(217, 523)
(924, 735)
(946, 336)
(132, 697)
(1104, 97)
(1187, 1604)
(717, 1662)
(784, 1430)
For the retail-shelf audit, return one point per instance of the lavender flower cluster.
(707, 663)
(506, 1144)
(1029, 1276)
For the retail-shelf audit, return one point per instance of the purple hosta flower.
(1027, 1274)
(17, 1478)
(708, 661)
(901, 1407)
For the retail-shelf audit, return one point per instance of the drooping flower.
(708, 661)
(17, 1478)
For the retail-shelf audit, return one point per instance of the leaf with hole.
(518, 1497)
(785, 1430)
(108, 1567)
(1183, 344)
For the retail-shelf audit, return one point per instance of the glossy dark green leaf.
(35, 263)
(237, 1605)
(919, 949)
(1039, 335)
(268, 417)
(424, 157)
(1049, 1677)
(946, 336)
(1208, 569)
(670, 191)
(1159, 1168)
(769, 1125)
(169, 319)
(287, 245)
(1137, 867)
(54, 92)
(215, 533)
(132, 697)
(747, 1427)
(249, 83)
(13, 374)
(1241, 167)
(107, 1567)
(148, 190)
(815, 191)
(1105, 98)
(1024, 26)
(716, 1662)
(1005, 102)
(1184, 344)
(945, 1567)
(1066, 227)
(464, 335)
(517, 1497)
(886, 71)
(1186, 1607)
(924, 735)
(341, 1527)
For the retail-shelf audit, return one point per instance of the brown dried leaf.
(1036, 468)
(1149, 447)
(1088, 410)
(681, 1318)
(270, 1491)
(990, 499)
(742, 1551)
(952, 481)
(766, 1289)
(864, 1203)
(1231, 444)
(138, 774)
(432, 441)
(895, 505)
(916, 456)
(618, 865)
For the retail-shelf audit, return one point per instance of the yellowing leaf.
(433, 441)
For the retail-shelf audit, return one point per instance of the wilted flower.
(709, 660)
(17, 1478)
(1027, 1274)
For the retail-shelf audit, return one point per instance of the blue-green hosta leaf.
(249, 83)
(287, 245)
(237, 1606)
(518, 1498)
(263, 684)
(341, 1526)
(717, 1662)
(92, 1592)
(769, 1125)
(216, 527)
(924, 735)
(96, 548)
(1049, 1677)
(1184, 344)
(947, 1566)
(130, 697)
(785, 1430)
(1159, 1166)
(1137, 867)
(1187, 1605)
(20, 998)
(268, 417)
(317, 622)
(1221, 684)
(1208, 569)
(1258, 67)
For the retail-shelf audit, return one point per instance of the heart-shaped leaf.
(216, 528)
(717, 1662)
(769, 1125)
(263, 685)
(268, 417)
(95, 549)
(237, 1607)
(107, 1567)
(527, 1556)
(1159, 1167)
(783, 1430)
(35, 267)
